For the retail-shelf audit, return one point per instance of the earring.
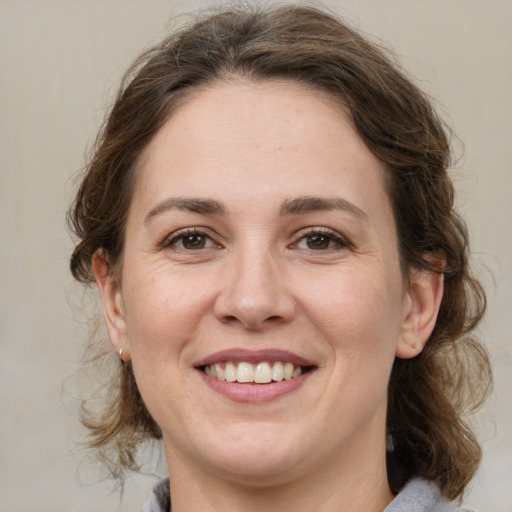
(120, 353)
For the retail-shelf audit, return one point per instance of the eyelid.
(173, 237)
(341, 240)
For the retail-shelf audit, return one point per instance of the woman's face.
(261, 245)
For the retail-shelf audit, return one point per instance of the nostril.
(229, 319)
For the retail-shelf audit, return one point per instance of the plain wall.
(60, 62)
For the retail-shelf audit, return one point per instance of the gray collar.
(420, 495)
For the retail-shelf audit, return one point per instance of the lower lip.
(254, 393)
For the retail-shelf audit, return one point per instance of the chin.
(255, 454)
(257, 469)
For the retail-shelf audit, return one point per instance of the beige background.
(60, 62)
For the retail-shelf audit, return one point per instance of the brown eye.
(195, 241)
(189, 240)
(318, 242)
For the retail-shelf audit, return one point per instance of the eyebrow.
(297, 206)
(306, 204)
(194, 204)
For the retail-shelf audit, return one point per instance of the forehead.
(235, 139)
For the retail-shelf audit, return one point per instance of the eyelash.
(339, 241)
(333, 236)
(171, 241)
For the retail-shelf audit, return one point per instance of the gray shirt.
(417, 496)
(421, 496)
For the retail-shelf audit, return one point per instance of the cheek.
(162, 311)
(160, 322)
(359, 314)
(359, 323)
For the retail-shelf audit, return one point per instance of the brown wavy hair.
(430, 395)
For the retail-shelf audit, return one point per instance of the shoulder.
(159, 498)
(420, 495)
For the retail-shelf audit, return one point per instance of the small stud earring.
(121, 354)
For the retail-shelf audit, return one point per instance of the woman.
(269, 221)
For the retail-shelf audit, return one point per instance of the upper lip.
(238, 355)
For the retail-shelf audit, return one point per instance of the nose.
(254, 292)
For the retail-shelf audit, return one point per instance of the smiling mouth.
(260, 373)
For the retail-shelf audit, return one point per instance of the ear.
(422, 301)
(111, 296)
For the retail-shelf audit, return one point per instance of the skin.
(257, 282)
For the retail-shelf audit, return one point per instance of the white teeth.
(220, 372)
(262, 373)
(230, 372)
(288, 371)
(277, 372)
(245, 372)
